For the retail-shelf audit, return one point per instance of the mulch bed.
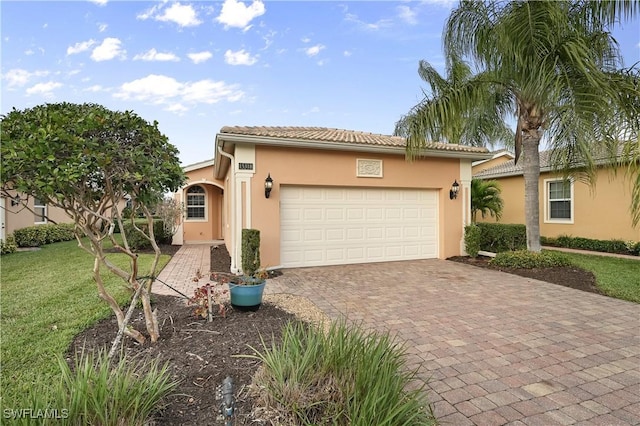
(202, 354)
(568, 276)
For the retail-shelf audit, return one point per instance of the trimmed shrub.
(250, 251)
(8, 245)
(137, 241)
(528, 259)
(38, 235)
(60, 232)
(472, 240)
(499, 237)
(605, 246)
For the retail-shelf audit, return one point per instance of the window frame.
(203, 206)
(37, 204)
(548, 200)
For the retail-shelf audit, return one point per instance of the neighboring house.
(337, 196)
(568, 207)
(14, 215)
(497, 157)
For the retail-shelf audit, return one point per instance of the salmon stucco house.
(567, 206)
(336, 196)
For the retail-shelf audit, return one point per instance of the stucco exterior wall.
(601, 212)
(17, 217)
(491, 163)
(289, 166)
(210, 228)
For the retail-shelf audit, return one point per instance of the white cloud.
(80, 47)
(235, 14)
(109, 49)
(407, 15)
(210, 92)
(94, 88)
(444, 3)
(241, 57)
(199, 57)
(163, 90)
(44, 89)
(314, 50)
(305, 39)
(183, 15)
(154, 55)
(149, 12)
(177, 108)
(99, 2)
(102, 27)
(29, 52)
(347, 53)
(18, 77)
(367, 26)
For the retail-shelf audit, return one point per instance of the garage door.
(333, 226)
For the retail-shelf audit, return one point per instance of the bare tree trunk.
(122, 329)
(531, 169)
(104, 295)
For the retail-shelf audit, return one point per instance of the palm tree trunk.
(531, 169)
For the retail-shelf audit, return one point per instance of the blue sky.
(197, 66)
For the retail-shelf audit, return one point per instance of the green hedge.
(137, 241)
(605, 246)
(529, 259)
(38, 235)
(8, 245)
(499, 237)
(472, 237)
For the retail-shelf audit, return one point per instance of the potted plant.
(246, 290)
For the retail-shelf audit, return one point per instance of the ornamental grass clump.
(95, 391)
(528, 260)
(340, 376)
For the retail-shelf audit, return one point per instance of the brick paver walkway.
(183, 267)
(496, 348)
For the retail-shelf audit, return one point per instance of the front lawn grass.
(46, 298)
(615, 277)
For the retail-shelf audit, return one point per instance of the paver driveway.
(497, 348)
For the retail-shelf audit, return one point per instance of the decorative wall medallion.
(368, 168)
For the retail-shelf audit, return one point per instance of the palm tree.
(560, 70)
(485, 198)
(464, 129)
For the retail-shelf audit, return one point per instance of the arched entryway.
(203, 219)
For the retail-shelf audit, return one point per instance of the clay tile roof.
(323, 134)
(508, 168)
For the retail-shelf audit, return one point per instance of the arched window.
(196, 202)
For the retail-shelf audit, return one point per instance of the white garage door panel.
(332, 226)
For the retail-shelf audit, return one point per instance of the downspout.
(232, 219)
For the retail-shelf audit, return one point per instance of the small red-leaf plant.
(214, 291)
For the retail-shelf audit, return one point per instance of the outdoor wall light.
(453, 192)
(15, 201)
(268, 185)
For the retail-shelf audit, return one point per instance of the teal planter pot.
(247, 297)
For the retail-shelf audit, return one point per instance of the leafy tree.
(560, 69)
(85, 159)
(485, 198)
